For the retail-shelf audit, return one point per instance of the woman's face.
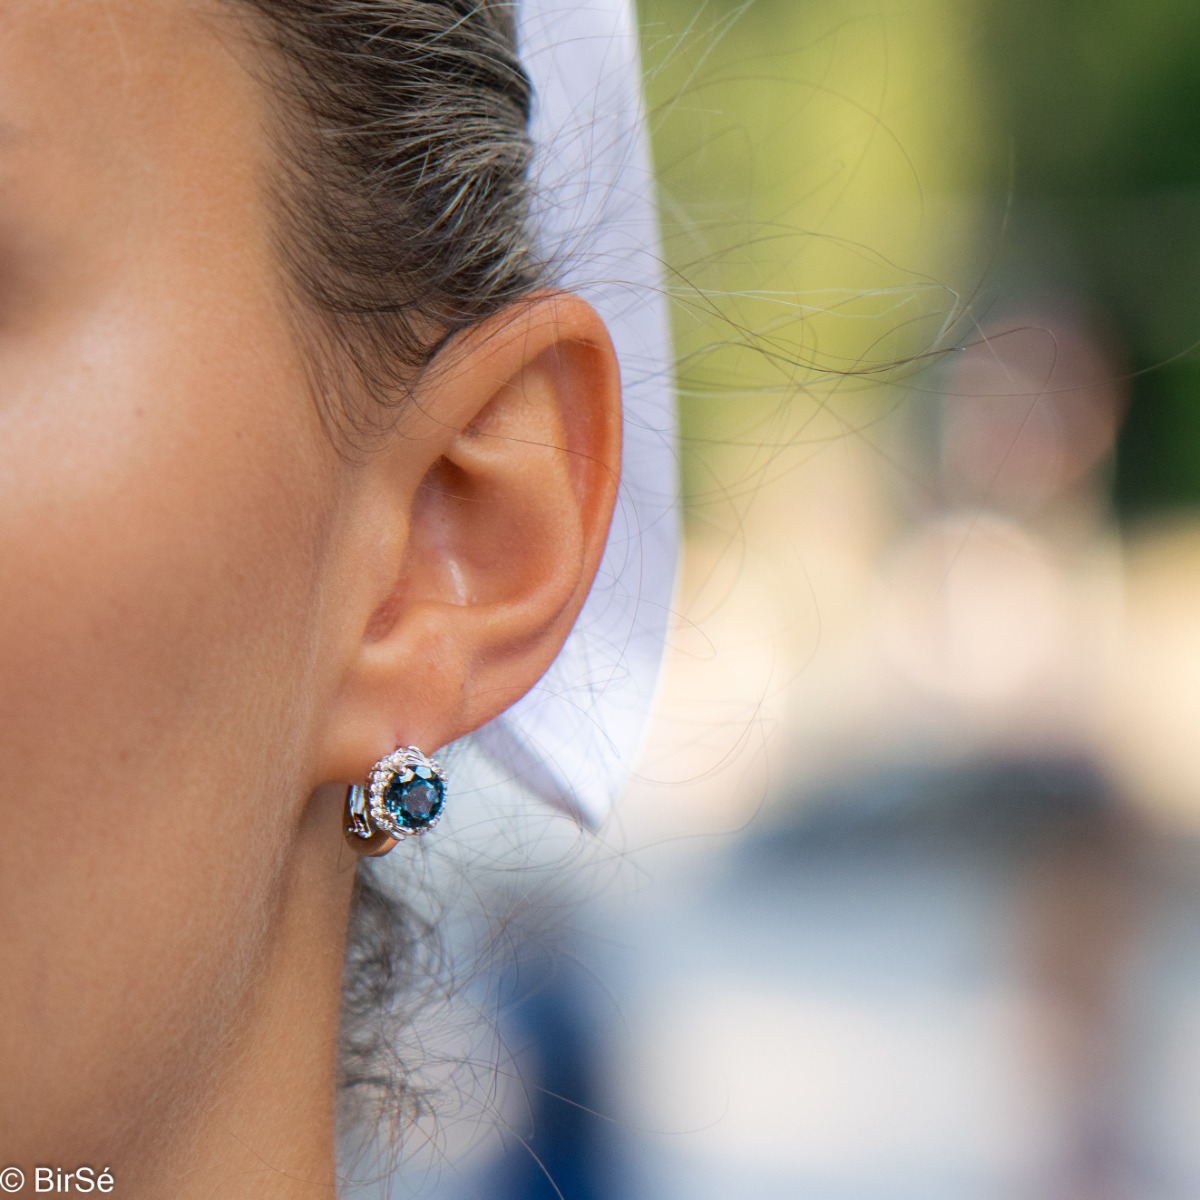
(167, 496)
(208, 614)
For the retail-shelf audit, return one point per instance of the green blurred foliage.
(1102, 102)
(1100, 95)
(849, 184)
(812, 178)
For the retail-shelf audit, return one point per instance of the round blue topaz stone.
(408, 792)
(415, 801)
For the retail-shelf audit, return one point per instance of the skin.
(211, 620)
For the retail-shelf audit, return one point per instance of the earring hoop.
(404, 796)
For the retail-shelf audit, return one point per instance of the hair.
(403, 196)
(403, 217)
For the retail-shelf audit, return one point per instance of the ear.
(486, 517)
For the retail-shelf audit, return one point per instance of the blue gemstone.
(414, 802)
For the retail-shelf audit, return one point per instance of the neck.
(262, 1126)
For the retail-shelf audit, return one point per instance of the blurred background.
(905, 899)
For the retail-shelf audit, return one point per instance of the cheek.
(162, 525)
(159, 525)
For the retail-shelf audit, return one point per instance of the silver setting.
(357, 802)
(368, 815)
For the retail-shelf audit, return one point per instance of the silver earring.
(404, 795)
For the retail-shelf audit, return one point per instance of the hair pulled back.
(404, 191)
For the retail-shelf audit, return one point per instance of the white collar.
(574, 739)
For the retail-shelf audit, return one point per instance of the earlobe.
(501, 490)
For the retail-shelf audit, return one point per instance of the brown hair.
(404, 194)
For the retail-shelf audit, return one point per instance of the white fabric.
(574, 739)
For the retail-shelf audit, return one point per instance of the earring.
(404, 795)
